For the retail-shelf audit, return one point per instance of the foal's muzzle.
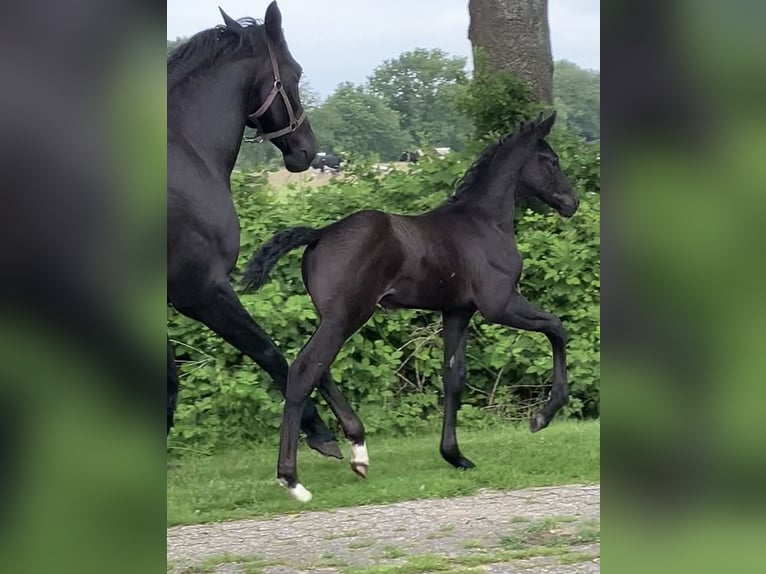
(568, 205)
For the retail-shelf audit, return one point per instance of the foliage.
(496, 102)
(423, 87)
(578, 99)
(390, 370)
(423, 98)
(355, 120)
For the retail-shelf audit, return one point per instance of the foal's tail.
(258, 268)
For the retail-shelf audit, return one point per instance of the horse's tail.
(258, 268)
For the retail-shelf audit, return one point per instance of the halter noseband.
(277, 88)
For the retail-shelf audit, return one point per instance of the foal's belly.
(440, 294)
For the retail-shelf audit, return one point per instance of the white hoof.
(298, 492)
(359, 454)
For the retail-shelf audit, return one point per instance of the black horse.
(326, 160)
(410, 156)
(459, 258)
(222, 79)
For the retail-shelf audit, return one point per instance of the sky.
(345, 40)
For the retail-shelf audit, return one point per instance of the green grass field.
(242, 483)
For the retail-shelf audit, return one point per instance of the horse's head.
(542, 176)
(274, 103)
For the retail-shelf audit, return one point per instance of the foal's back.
(426, 261)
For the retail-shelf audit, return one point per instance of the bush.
(496, 103)
(390, 370)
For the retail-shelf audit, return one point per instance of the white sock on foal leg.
(360, 460)
(298, 492)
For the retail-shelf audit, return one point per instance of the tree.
(578, 99)
(173, 44)
(515, 38)
(423, 86)
(354, 120)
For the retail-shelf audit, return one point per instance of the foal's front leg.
(521, 314)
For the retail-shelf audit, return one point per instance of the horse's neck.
(497, 201)
(212, 117)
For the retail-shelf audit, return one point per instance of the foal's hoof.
(537, 423)
(327, 448)
(298, 492)
(460, 463)
(359, 468)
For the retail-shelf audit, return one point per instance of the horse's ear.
(543, 127)
(273, 23)
(231, 23)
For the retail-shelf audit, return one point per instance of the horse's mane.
(205, 48)
(478, 168)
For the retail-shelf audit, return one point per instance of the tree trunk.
(514, 36)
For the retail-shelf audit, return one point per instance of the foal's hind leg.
(306, 373)
(455, 328)
(349, 420)
(225, 315)
(522, 314)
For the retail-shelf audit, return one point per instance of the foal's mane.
(205, 48)
(473, 175)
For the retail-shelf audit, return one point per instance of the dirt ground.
(551, 530)
(315, 177)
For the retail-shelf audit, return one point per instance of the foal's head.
(269, 110)
(541, 175)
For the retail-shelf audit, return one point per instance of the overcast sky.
(344, 40)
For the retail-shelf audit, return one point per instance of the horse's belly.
(442, 294)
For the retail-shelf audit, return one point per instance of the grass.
(472, 563)
(390, 552)
(247, 564)
(441, 532)
(339, 535)
(328, 561)
(241, 483)
(552, 532)
(361, 544)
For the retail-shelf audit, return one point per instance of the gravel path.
(548, 530)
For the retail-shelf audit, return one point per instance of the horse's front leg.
(521, 314)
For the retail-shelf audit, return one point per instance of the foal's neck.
(495, 201)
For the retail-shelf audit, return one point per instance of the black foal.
(459, 258)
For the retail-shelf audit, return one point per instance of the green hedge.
(390, 370)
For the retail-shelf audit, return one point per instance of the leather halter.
(277, 88)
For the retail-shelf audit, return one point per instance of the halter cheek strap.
(276, 89)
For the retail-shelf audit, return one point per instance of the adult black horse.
(241, 73)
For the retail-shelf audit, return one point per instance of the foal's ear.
(273, 23)
(543, 127)
(231, 23)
